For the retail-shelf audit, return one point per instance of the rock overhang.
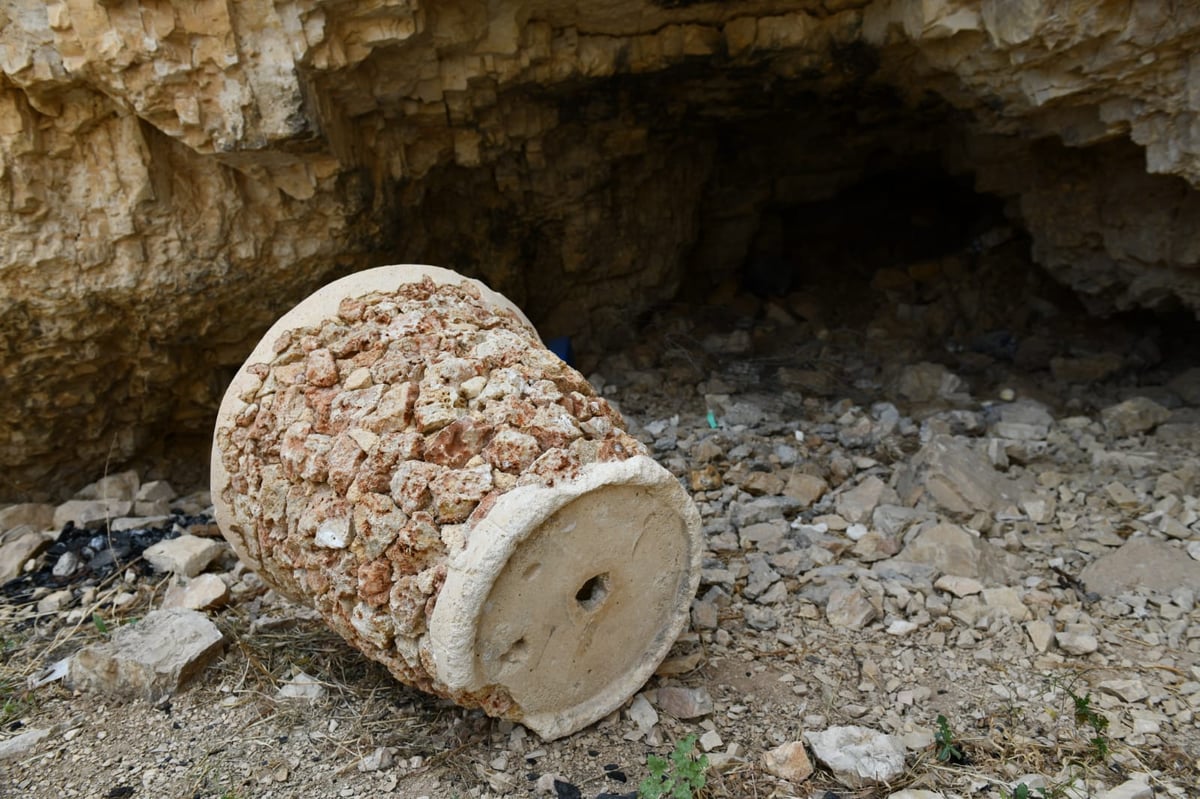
(182, 175)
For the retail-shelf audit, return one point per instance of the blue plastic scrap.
(561, 346)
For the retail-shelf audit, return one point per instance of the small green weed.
(101, 624)
(947, 751)
(680, 777)
(1086, 715)
(1023, 791)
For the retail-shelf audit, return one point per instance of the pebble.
(202, 592)
(857, 504)
(848, 608)
(138, 522)
(1134, 415)
(760, 618)
(958, 586)
(1077, 639)
(35, 515)
(383, 757)
(23, 743)
(86, 512)
(642, 714)
(902, 628)
(67, 564)
(1129, 690)
(805, 488)
(954, 478)
(954, 551)
(788, 761)
(684, 703)
(18, 550)
(302, 686)
(54, 601)
(1041, 634)
(859, 757)
(1136, 788)
(187, 555)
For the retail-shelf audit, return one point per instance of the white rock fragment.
(84, 512)
(857, 504)
(301, 686)
(710, 740)
(1007, 601)
(382, 758)
(1077, 639)
(18, 550)
(333, 533)
(22, 744)
(958, 586)
(1041, 634)
(122, 485)
(199, 593)
(789, 762)
(1131, 691)
(150, 658)
(36, 515)
(642, 714)
(848, 608)
(858, 756)
(155, 491)
(955, 551)
(1136, 788)
(54, 601)
(545, 783)
(955, 478)
(187, 555)
(138, 522)
(901, 628)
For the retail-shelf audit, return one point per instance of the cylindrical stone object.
(401, 452)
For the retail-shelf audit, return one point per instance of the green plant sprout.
(680, 777)
(947, 751)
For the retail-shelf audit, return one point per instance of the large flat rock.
(1142, 563)
(149, 659)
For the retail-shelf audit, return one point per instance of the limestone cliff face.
(173, 175)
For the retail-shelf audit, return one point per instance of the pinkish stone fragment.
(321, 369)
(456, 493)
(512, 451)
(458, 442)
(410, 484)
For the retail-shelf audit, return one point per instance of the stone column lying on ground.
(402, 452)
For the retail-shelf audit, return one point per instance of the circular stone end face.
(575, 597)
(403, 454)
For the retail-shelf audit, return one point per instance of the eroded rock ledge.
(174, 175)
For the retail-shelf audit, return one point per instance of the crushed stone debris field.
(953, 550)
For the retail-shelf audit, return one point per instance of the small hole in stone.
(531, 571)
(516, 651)
(592, 594)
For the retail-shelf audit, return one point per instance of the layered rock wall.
(174, 174)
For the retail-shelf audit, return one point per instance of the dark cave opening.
(738, 195)
(893, 219)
